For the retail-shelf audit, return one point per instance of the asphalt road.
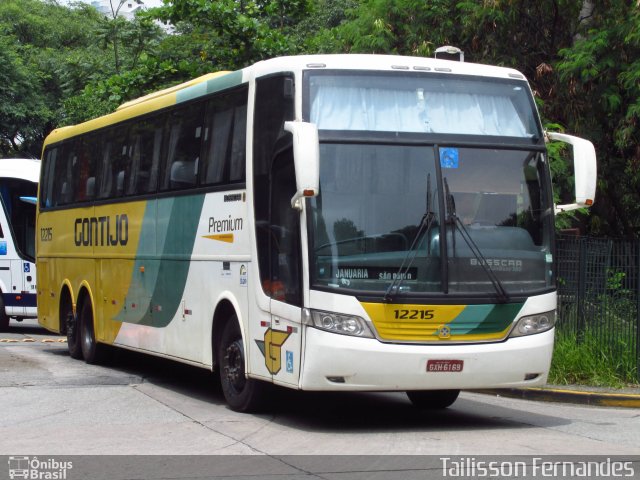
(142, 405)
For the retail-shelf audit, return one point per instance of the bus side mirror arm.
(306, 159)
(585, 170)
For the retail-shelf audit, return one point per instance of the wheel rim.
(233, 366)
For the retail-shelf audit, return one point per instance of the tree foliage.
(230, 34)
(582, 58)
(601, 99)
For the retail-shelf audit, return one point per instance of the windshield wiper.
(452, 218)
(425, 226)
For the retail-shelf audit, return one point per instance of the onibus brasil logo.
(38, 469)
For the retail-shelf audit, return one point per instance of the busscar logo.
(498, 264)
(38, 469)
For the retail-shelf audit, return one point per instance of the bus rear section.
(18, 192)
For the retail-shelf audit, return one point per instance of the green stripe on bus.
(159, 288)
(217, 84)
(498, 318)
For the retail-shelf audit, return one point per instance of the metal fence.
(599, 293)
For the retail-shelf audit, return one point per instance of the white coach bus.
(329, 222)
(18, 191)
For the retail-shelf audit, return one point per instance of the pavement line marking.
(33, 340)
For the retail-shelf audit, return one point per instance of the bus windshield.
(372, 201)
(423, 217)
(420, 104)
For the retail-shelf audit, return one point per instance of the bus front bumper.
(340, 362)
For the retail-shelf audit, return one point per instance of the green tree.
(22, 111)
(40, 41)
(407, 27)
(601, 100)
(230, 34)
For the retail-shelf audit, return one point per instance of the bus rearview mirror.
(306, 158)
(585, 170)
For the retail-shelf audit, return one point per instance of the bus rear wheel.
(4, 318)
(241, 393)
(433, 399)
(72, 328)
(92, 351)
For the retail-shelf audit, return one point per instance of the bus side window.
(84, 170)
(46, 194)
(63, 175)
(146, 141)
(183, 154)
(225, 127)
(115, 163)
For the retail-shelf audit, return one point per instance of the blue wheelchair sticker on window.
(27, 268)
(289, 361)
(3, 248)
(449, 157)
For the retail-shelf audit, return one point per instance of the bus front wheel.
(241, 393)
(433, 399)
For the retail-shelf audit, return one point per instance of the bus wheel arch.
(224, 313)
(242, 394)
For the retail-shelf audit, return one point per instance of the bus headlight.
(533, 324)
(336, 323)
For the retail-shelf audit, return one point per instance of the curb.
(580, 397)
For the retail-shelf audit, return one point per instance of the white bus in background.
(18, 192)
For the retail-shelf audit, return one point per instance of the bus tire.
(433, 399)
(73, 330)
(92, 351)
(241, 393)
(4, 318)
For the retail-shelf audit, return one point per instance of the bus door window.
(280, 277)
(284, 248)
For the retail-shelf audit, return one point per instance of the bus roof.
(222, 80)
(380, 62)
(22, 168)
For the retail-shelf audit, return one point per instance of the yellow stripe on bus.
(221, 237)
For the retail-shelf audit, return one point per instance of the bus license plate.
(451, 366)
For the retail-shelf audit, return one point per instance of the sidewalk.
(578, 394)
